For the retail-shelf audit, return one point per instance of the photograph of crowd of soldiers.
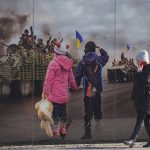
(29, 41)
(29, 50)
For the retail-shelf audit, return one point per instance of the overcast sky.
(111, 24)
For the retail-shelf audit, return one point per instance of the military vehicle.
(24, 69)
(23, 65)
(123, 71)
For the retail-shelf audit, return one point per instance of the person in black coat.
(141, 97)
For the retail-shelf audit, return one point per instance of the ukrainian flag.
(79, 39)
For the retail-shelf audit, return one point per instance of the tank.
(121, 74)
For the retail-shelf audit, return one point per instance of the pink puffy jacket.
(58, 78)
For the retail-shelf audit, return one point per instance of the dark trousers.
(59, 113)
(92, 107)
(142, 117)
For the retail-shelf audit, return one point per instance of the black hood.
(90, 47)
(146, 70)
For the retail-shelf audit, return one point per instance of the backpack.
(94, 78)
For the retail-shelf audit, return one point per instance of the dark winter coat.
(87, 62)
(141, 90)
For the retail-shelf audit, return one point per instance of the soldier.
(40, 45)
(32, 39)
(34, 42)
(48, 45)
(24, 38)
(114, 63)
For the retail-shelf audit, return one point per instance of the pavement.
(19, 124)
(110, 146)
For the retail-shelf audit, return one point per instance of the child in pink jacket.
(58, 78)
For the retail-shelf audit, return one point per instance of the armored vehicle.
(123, 71)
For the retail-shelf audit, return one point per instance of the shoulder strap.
(93, 72)
(89, 88)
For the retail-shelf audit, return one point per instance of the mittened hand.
(44, 96)
(73, 89)
(70, 90)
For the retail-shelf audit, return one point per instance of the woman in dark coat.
(141, 97)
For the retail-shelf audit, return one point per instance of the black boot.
(147, 126)
(87, 124)
(130, 143)
(147, 145)
(87, 135)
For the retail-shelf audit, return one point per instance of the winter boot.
(87, 134)
(63, 130)
(147, 126)
(56, 130)
(147, 145)
(130, 143)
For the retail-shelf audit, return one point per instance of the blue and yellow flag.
(79, 39)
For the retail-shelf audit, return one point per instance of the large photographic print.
(37, 38)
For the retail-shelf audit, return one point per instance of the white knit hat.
(142, 56)
(59, 49)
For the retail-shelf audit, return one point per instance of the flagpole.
(76, 44)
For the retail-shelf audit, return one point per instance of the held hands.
(44, 96)
(74, 89)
